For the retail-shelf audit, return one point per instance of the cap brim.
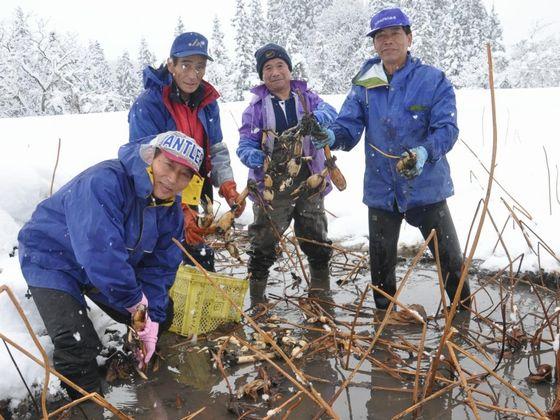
(180, 161)
(189, 53)
(371, 33)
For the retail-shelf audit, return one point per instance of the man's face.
(170, 177)
(277, 76)
(188, 72)
(392, 45)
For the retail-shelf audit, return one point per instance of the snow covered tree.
(218, 71)
(179, 28)
(530, 65)
(16, 97)
(97, 83)
(127, 84)
(244, 74)
(258, 32)
(301, 27)
(277, 24)
(339, 46)
(145, 57)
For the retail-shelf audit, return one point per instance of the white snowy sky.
(119, 25)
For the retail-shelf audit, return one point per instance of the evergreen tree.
(276, 22)
(145, 58)
(218, 71)
(127, 84)
(179, 28)
(301, 27)
(340, 46)
(97, 81)
(244, 75)
(258, 32)
(16, 96)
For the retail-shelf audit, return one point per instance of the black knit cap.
(268, 52)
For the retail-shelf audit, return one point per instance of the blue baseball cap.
(190, 43)
(387, 18)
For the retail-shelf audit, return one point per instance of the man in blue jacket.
(107, 234)
(275, 107)
(177, 98)
(407, 109)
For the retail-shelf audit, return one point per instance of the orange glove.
(193, 233)
(228, 190)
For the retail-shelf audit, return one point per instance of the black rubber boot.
(257, 288)
(320, 277)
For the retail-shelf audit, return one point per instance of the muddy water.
(187, 380)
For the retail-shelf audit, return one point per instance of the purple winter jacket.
(259, 115)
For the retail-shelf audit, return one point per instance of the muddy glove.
(149, 337)
(254, 158)
(143, 301)
(324, 138)
(148, 334)
(229, 192)
(194, 234)
(419, 155)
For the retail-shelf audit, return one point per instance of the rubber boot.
(320, 277)
(257, 288)
(465, 299)
(389, 287)
(320, 288)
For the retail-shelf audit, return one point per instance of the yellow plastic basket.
(198, 306)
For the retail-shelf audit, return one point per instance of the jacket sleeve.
(351, 120)
(146, 118)
(443, 131)
(323, 112)
(156, 272)
(95, 220)
(219, 153)
(250, 134)
(221, 163)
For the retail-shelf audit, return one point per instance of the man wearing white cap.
(107, 234)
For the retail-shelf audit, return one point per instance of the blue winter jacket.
(149, 116)
(417, 108)
(103, 233)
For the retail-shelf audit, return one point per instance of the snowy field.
(526, 128)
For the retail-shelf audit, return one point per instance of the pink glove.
(143, 301)
(149, 336)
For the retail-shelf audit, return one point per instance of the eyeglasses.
(198, 69)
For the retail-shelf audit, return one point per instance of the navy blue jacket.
(417, 108)
(103, 231)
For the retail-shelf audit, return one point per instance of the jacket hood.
(137, 168)
(373, 75)
(156, 77)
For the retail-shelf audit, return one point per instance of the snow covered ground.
(526, 128)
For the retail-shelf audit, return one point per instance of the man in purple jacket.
(275, 107)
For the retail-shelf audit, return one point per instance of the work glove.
(325, 137)
(255, 158)
(148, 336)
(194, 234)
(229, 192)
(421, 156)
(143, 301)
